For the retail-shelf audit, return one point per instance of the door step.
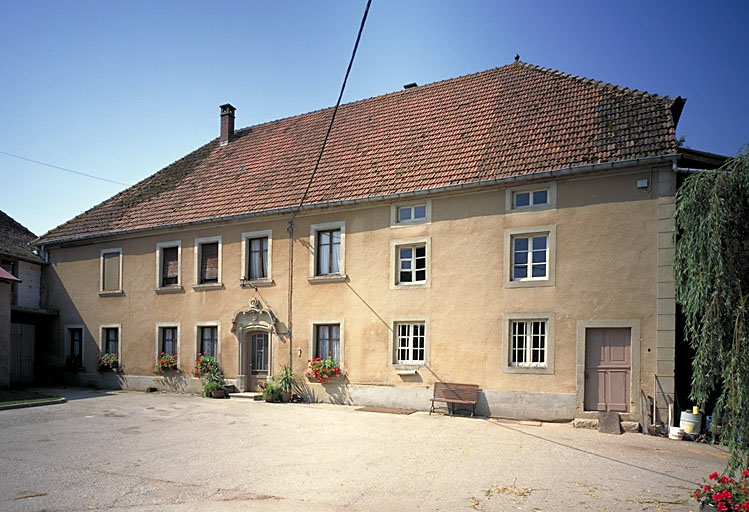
(592, 423)
(247, 395)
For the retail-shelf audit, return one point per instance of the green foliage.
(712, 285)
(285, 379)
(323, 369)
(211, 386)
(208, 370)
(165, 362)
(107, 362)
(272, 392)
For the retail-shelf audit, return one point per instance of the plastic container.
(675, 433)
(690, 423)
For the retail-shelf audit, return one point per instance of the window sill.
(170, 289)
(332, 278)
(408, 224)
(529, 283)
(534, 208)
(407, 286)
(538, 370)
(407, 369)
(257, 283)
(112, 293)
(208, 286)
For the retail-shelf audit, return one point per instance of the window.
(208, 340)
(328, 252)
(257, 267)
(208, 262)
(110, 340)
(528, 340)
(530, 257)
(531, 197)
(328, 341)
(75, 346)
(168, 340)
(412, 264)
(410, 346)
(405, 214)
(416, 213)
(168, 257)
(111, 271)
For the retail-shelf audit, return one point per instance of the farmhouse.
(510, 228)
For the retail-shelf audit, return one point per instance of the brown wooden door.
(608, 368)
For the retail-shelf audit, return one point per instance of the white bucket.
(675, 433)
(690, 423)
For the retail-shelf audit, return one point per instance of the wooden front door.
(608, 369)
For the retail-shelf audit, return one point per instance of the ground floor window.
(111, 340)
(328, 341)
(528, 343)
(76, 346)
(168, 340)
(411, 343)
(209, 341)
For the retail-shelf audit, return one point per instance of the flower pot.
(286, 397)
(218, 393)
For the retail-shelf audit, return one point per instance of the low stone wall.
(175, 382)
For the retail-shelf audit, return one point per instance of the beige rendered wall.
(605, 269)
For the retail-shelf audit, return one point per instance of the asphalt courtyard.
(135, 451)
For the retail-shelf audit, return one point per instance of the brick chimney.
(227, 123)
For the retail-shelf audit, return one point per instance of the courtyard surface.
(136, 451)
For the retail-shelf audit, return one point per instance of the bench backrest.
(452, 391)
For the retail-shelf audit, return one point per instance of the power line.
(335, 110)
(63, 168)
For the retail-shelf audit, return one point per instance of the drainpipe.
(290, 294)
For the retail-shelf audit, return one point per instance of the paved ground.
(136, 451)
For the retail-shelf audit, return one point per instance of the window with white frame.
(110, 340)
(328, 341)
(410, 343)
(168, 340)
(528, 343)
(412, 264)
(529, 198)
(530, 257)
(412, 213)
(208, 341)
(111, 270)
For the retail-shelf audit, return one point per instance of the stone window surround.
(394, 213)
(159, 326)
(103, 340)
(393, 344)
(551, 260)
(507, 320)
(246, 237)
(331, 278)
(207, 286)
(215, 324)
(102, 291)
(313, 337)
(394, 244)
(551, 186)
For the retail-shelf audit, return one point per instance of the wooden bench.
(451, 394)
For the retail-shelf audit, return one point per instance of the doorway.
(608, 369)
(259, 358)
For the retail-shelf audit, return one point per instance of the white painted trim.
(392, 345)
(312, 333)
(394, 245)
(394, 213)
(550, 186)
(551, 248)
(196, 345)
(207, 240)
(313, 229)
(268, 233)
(507, 320)
(159, 257)
(635, 344)
(101, 270)
(159, 326)
(119, 338)
(66, 337)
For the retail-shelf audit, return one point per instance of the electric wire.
(63, 168)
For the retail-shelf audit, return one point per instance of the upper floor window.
(258, 264)
(328, 252)
(208, 260)
(411, 213)
(111, 270)
(530, 257)
(168, 261)
(412, 264)
(531, 197)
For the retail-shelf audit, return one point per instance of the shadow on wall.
(334, 392)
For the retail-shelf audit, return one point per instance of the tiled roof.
(15, 239)
(514, 120)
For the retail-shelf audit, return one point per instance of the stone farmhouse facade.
(511, 228)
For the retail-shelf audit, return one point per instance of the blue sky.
(121, 89)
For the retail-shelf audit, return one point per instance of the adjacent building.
(511, 228)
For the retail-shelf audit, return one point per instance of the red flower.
(745, 505)
(707, 487)
(745, 472)
(697, 494)
(721, 506)
(713, 476)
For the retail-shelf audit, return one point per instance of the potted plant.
(285, 381)
(271, 392)
(107, 362)
(322, 370)
(724, 493)
(208, 370)
(165, 362)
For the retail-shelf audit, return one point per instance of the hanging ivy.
(712, 285)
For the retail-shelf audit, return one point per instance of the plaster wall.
(605, 269)
(29, 290)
